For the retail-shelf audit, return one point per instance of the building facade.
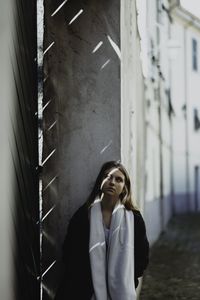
(185, 83)
(170, 60)
(158, 183)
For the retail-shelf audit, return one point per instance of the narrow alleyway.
(174, 269)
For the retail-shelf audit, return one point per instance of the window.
(194, 55)
(196, 120)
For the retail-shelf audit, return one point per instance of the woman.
(106, 248)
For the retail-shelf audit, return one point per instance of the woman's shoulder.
(81, 210)
(137, 214)
(80, 214)
(138, 219)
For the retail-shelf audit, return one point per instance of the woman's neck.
(108, 203)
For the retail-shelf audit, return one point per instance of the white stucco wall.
(158, 129)
(185, 90)
(132, 102)
(194, 103)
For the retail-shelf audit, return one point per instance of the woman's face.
(113, 183)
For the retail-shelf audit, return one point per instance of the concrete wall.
(84, 93)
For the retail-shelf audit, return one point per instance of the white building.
(170, 44)
(185, 87)
(158, 186)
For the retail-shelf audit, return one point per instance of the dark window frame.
(194, 54)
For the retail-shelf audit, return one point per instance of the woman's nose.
(112, 181)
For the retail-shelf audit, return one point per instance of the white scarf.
(112, 270)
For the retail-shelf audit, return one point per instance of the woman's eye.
(119, 179)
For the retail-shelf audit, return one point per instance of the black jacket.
(77, 278)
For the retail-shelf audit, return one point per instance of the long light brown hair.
(126, 195)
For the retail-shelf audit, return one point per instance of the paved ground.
(174, 269)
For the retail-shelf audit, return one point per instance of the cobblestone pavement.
(174, 268)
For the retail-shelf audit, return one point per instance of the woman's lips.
(110, 189)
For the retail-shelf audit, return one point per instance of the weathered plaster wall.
(132, 101)
(84, 93)
(157, 134)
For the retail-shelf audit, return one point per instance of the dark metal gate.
(25, 153)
